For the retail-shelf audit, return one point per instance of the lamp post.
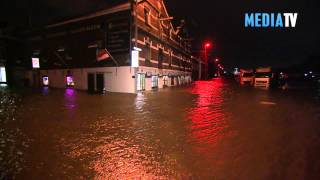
(207, 45)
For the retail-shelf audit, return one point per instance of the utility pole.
(199, 76)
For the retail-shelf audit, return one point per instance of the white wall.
(116, 79)
(156, 71)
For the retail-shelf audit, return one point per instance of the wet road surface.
(210, 130)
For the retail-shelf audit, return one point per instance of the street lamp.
(207, 45)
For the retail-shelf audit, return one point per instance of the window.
(147, 16)
(165, 81)
(170, 59)
(154, 80)
(148, 54)
(160, 58)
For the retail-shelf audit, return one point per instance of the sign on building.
(134, 58)
(35, 63)
(3, 77)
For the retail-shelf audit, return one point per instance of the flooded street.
(210, 130)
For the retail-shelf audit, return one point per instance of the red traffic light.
(207, 44)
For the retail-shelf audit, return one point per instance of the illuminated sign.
(45, 80)
(134, 58)
(70, 81)
(35, 63)
(3, 77)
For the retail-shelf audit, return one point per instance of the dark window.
(147, 16)
(263, 74)
(247, 74)
(170, 59)
(160, 58)
(148, 53)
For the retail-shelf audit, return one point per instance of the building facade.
(129, 47)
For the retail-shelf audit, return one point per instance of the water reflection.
(122, 161)
(70, 98)
(45, 90)
(140, 102)
(208, 120)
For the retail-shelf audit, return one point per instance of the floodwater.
(210, 130)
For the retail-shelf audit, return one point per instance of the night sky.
(222, 22)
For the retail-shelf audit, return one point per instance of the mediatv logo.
(270, 20)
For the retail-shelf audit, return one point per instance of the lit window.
(3, 76)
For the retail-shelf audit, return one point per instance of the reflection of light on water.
(208, 121)
(121, 163)
(70, 98)
(45, 90)
(3, 85)
(140, 102)
(111, 153)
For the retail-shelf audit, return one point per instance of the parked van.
(262, 77)
(246, 77)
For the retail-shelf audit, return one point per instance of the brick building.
(127, 47)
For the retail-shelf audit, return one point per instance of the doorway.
(154, 80)
(141, 82)
(100, 83)
(91, 83)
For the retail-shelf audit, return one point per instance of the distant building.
(11, 54)
(129, 47)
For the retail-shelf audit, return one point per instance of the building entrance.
(141, 82)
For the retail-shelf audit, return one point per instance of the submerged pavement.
(210, 130)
